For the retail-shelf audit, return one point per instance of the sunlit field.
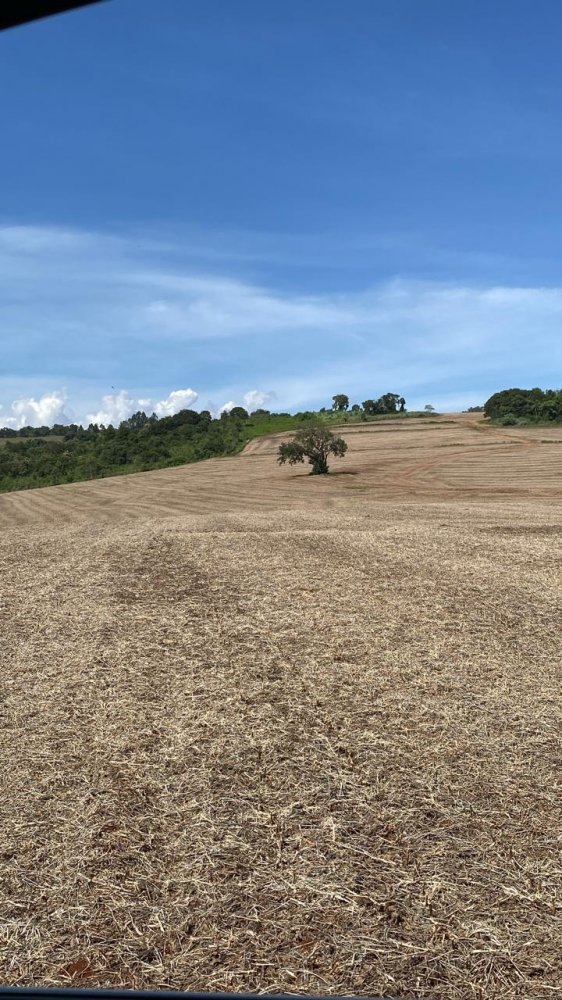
(266, 731)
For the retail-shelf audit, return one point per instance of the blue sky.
(290, 198)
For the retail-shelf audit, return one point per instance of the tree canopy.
(41, 456)
(315, 444)
(528, 405)
(340, 402)
(389, 402)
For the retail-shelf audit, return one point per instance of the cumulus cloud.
(49, 409)
(114, 409)
(256, 399)
(226, 407)
(179, 399)
(121, 405)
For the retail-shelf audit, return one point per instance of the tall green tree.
(389, 402)
(340, 402)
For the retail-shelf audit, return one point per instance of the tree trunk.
(319, 463)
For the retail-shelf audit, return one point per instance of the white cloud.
(227, 407)
(114, 409)
(34, 239)
(256, 399)
(179, 399)
(120, 406)
(199, 307)
(49, 409)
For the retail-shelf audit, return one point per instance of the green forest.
(525, 406)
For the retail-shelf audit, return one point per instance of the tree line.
(65, 454)
(390, 402)
(512, 406)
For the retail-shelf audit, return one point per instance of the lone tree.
(340, 402)
(315, 444)
(429, 408)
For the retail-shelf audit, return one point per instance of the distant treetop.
(340, 402)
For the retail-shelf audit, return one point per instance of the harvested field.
(270, 732)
